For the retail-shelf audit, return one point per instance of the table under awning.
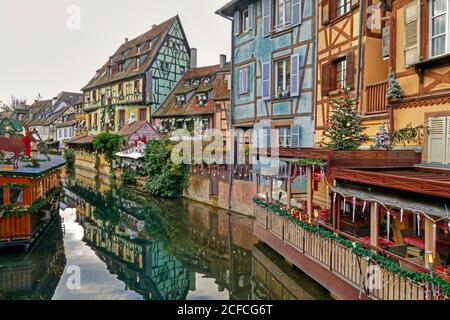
(397, 201)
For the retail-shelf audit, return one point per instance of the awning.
(396, 201)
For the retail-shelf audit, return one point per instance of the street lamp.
(316, 217)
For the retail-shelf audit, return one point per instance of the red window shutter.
(326, 78)
(350, 74)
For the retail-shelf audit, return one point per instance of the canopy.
(397, 201)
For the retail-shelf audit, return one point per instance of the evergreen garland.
(310, 162)
(357, 248)
(344, 131)
(10, 210)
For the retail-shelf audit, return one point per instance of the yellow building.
(136, 78)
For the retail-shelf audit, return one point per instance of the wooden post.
(258, 184)
(271, 190)
(309, 200)
(430, 246)
(374, 224)
(289, 186)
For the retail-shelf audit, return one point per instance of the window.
(438, 27)
(142, 114)
(202, 99)
(95, 120)
(243, 81)
(120, 89)
(282, 78)
(439, 140)
(137, 88)
(121, 117)
(284, 135)
(342, 7)
(245, 21)
(16, 196)
(341, 71)
(283, 11)
(121, 66)
(181, 99)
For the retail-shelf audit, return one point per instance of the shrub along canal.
(117, 244)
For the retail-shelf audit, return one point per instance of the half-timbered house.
(272, 68)
(137, 78)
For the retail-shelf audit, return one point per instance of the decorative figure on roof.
(16, 145)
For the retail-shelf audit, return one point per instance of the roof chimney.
(223, 61)
(54, 100)
(126, 40)
(154, 26)
(193, 58)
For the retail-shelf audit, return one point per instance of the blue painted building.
(274, 53)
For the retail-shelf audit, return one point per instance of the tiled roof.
(130, 129)
(156, 35)
(82, 140)
(169, 107)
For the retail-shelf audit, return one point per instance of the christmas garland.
(389, 264)
(10, 210)
(310, 162)
(16, 186)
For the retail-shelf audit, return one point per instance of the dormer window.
(207, 80)
(202, 99)
(121, 67)
(187, 84)
(181, 99)
(165, 66)
(196, 82)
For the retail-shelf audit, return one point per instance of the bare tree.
(16, 102)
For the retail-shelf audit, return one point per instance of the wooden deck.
(332, 265)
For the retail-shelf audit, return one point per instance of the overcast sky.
(43, 51)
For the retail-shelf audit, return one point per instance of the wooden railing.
(376, 97)
(359, 272)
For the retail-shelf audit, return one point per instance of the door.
(438, 140)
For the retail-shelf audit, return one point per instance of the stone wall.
(241, 197)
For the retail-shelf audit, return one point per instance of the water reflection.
(129, 246)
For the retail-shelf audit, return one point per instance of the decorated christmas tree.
(383, 140)
(344, 130)
(394, 92)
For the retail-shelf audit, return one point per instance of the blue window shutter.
(266, 75)
(295, 135)
(251, 15)
(296, 12)
(267, 17)
(237, 23)
(246, 82)
(295, 75)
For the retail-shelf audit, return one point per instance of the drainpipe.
(360, 36)
(230, 114)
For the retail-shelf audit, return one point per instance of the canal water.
(117, 244)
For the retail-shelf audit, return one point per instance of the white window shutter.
(296, 12)
(267, 17)
(437, 140)
(241, 80)
(295, 136)
(251, 15)
(295, 75)
(411, 34)
(237, 23)
(266, 80)
(245, 80)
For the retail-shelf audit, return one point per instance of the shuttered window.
(266, 75)
(267, 17)
(439, 140)
(243, 81)
(338, 74)
(326, 78)
(251, 16)
(237, 23)
(296, 12)
(295, 75)
(295, 136)
(411, 34)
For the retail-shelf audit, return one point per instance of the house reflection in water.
(174, 250)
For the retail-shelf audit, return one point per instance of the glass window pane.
(439, 6)
(438, 45)
(439, 24)
(15, 196)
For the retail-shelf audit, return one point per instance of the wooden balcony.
(376, 100)
(333, 265)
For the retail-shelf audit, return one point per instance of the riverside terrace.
(29, 199)
(340, 215)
